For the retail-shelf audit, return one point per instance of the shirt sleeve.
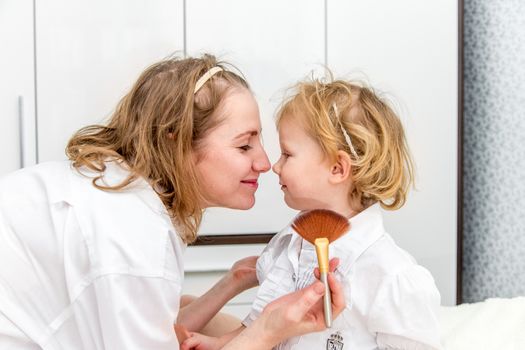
(271, 252)
(123, 311)
(264, 263)
(273, 274)
(404, 311)
(124, 276)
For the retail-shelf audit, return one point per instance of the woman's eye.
(285, 155)
(246, 147)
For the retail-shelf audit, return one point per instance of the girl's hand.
(198, 341)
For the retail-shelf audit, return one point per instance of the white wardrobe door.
(17, 92)
(274, 43)
(89, 53)
(408, 49)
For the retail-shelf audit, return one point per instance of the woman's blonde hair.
(156, 128)
(382, 168)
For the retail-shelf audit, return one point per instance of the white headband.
(345, 134)
(205, 77)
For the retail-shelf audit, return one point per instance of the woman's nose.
(261, 163)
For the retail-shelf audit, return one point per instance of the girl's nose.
(276, 168)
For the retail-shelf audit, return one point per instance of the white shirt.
(82, 268)
(391, 302)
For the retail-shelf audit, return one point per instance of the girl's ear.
(341, 170)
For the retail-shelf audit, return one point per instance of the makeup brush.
(321, 227)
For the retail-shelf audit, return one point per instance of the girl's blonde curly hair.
(382, 168)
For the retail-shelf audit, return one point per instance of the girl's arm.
(197, 341)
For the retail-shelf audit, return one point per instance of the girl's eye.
(246, 147)
(284, 155)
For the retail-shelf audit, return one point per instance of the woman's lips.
(252, 183)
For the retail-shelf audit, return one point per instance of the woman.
(91, 249)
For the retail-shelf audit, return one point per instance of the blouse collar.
(365, 229)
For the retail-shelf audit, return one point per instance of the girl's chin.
(294, 205)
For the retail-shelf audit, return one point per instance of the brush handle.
(327, 300)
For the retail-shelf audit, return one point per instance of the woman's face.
(231, 157)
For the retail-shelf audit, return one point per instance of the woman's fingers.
(337, 293)
(243, 273)
(306, 302)
(332, 265)
(296, 313)
(299, 312)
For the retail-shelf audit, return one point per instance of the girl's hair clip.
(343, 130)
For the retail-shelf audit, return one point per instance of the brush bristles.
(317, 223)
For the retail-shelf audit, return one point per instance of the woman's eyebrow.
(247, 133)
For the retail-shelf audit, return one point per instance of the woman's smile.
(251, 183)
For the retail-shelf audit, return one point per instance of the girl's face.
(302, 169)
(231, 157)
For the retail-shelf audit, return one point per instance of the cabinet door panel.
(17, 92)
(274, 43)
(409, 49)
(89, 53)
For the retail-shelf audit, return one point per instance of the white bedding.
(495, 324)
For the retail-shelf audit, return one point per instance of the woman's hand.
(242, 274)
(332, 266)
(240, 277)
(302, 312)
(291, 315)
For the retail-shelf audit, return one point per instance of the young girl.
(344, 149)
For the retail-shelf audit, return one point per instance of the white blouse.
(82, 268)
(391, 302)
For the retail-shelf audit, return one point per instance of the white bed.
(495, 324)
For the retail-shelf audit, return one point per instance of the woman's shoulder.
(40, 170)
(125, 227)
(41, 182)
